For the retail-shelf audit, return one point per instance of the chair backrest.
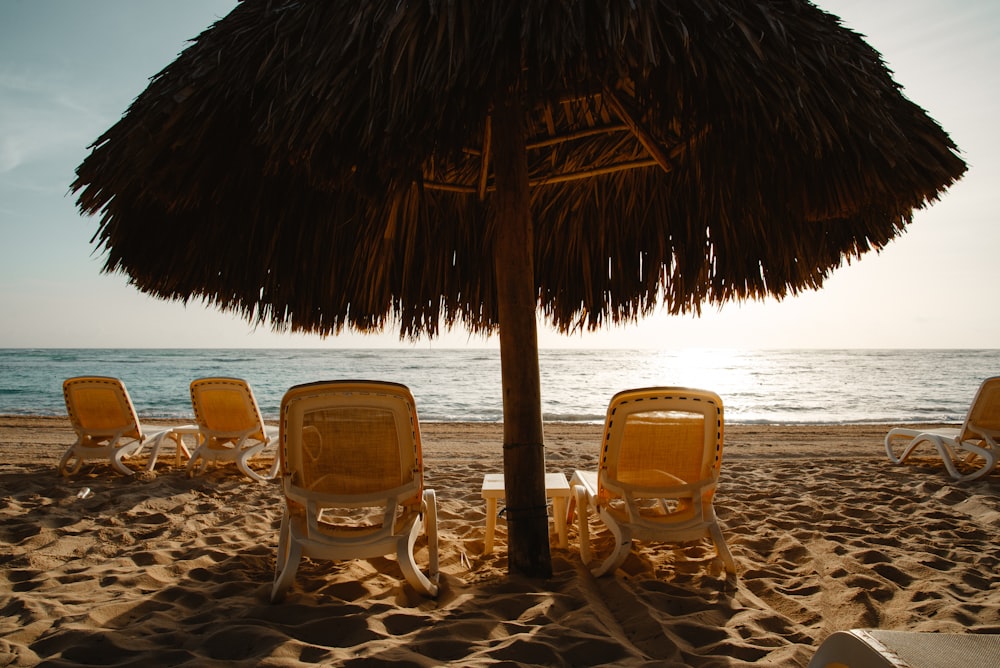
(225, 408)
(661, 437)
(100, 407)
(351, 442)
(984, 413)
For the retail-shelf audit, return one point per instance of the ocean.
(756, 386)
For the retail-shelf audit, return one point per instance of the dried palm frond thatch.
(318, 164)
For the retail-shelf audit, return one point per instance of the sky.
(70, 69)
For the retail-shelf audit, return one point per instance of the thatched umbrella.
(318, 165)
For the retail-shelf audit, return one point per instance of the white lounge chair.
(974, 444)
(352, 476)
(871, 648)
(659, 467)
(230, 425)
(106, 425)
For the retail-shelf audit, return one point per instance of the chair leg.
(582, 527)
(890, 439)
(155, 444)
(66, 470)
(287, 565)
(275, 468)
(623, 547)
(722, 548)
(987, 454)
(940, 446)
(430, 518)
(404, 549)
(193, 467)
(243, 463)
(946, 454)
(282, 556)
(121, 453)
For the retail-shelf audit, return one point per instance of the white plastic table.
(180, 431)
(556, 488)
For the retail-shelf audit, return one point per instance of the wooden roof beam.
(548, 180)
(573, 136)
(647, 141)
(484, 163)
(596, 171)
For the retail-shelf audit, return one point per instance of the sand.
(165, 570)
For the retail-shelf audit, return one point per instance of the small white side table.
(177, 434)
(556, 488)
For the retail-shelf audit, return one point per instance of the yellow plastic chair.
(352, 476)
(106, 425)
(975, 443)
(658, 471)
(230, 425)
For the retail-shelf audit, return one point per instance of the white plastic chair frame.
(230, 425)
(106, 424)
(884, 648)
(976, 439)
(306, 411)
(694, 514)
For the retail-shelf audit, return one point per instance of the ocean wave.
(587, 418)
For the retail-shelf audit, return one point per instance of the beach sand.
(164, 570)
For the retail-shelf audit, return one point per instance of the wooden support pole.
(524, 451)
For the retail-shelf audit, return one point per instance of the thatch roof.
(319, 164)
